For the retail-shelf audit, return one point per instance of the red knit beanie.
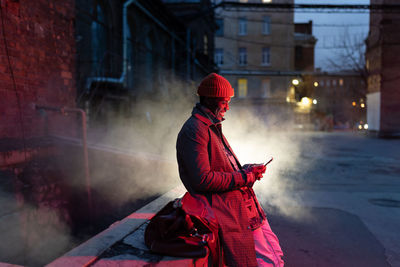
(215, 85)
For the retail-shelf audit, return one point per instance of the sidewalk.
(332, 237)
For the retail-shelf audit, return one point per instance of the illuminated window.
(242, 56)
(266, 56)
(242, 88)
(243, 1)
(266, 25)
(266, 88)
(242, 26)
(220, 27)
(266, 1)
(341, 82)
(219, 56)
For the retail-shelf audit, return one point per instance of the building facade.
(132, 51)
(382, 61)
(254, 50)
(304, 47)
(198, 18)
(339, 101)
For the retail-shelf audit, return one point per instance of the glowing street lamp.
(314, 101)
(295, 82)
(305, 101)
(354, 103)
(316, 84)
(362, 105)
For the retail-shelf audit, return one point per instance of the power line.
(312, 8)
(266, 44)
(294, 23)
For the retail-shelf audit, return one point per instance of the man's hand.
(257, 169)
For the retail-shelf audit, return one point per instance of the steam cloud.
(254, 139)
(153, 132)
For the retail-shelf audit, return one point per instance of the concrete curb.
(88, 252)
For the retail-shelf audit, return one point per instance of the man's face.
(222, 107)
(218, 105)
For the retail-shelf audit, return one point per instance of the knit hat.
(215, 85)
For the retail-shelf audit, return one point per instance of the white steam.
(254, 139)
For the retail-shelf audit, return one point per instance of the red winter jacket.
(205, 169)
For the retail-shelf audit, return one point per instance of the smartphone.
(269, 161)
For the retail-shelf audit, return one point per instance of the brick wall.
(383, 65)
(41, 48)
(39, 37)
(390, 81)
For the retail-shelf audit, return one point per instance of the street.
(339, 204)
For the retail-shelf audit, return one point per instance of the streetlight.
(315, 101)
(305, 101)
(295, 82)
(316, 84)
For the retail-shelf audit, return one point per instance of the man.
(208, 167)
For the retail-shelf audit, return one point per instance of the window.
(243, 1)
(341, 82)
(205, 45)
(242, 85)
(328, 83)
(266, 56)
(242, 26)
(266, 28)
(220, 27)
(298, 53)
(321, 82)
(334, 82)
(219, 56)
(242, 56)
(266, 1)
(266, 88)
